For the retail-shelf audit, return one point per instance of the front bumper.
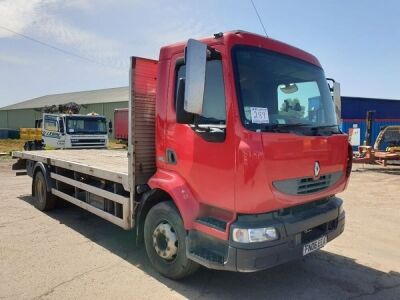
(296, 228)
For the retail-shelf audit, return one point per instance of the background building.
(103, 102)
(354, 112)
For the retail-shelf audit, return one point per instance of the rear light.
(349, 164)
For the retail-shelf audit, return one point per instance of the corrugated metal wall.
(110, 107)
(21, 118)
(356, 108)
(104, 109)
(376, 128)
(25, 118)
(3, 119)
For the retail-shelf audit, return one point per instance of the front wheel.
(164, 237)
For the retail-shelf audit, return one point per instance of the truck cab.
(70, 131)
(248, 141)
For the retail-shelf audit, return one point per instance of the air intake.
(307, 185)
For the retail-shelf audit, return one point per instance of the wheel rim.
(165, 241)
(40, 191)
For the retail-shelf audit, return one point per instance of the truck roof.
(240, 37)
(75, 115)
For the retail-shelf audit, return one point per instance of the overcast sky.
(357, 41)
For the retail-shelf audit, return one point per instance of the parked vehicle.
(234, 158)
(121, 124)
(69, 131)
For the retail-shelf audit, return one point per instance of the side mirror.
(110, 127)
(195, 60)
(61, 126)
(334, 87)
(182, 116)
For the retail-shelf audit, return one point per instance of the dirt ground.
(71, 254)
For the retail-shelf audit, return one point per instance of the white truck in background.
(62, 127)
(69, 131)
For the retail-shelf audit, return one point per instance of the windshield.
(86, 125)
(276, 90)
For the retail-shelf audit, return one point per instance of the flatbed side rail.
(74, 166)
(104, 197)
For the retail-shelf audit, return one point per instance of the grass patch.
(8, 145)
(113, 144)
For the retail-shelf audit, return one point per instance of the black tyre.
(43, 200)
(164, 237)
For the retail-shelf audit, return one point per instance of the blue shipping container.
(6, 133)
(356, 108)
(376, 128)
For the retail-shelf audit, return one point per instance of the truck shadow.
(378, 169)
(321, 275)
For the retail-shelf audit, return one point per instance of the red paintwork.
(235, 176)
(121, 123)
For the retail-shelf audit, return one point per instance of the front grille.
(87, 141)
(88, 145)
(307, 185)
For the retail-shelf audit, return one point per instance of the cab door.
(51, 132)
(203, 152)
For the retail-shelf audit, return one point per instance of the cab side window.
(50, 123)
(214, 109)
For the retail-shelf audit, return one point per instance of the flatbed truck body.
(234, 158)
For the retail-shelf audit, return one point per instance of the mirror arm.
(213, 54)
(333, 82)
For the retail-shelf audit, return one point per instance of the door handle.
(171, 157)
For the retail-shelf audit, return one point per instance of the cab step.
(209, 251)
(213, 223)
(211, 257)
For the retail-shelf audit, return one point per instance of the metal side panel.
(142, 120)
(92, 209)
(124, 222)
(94, 190)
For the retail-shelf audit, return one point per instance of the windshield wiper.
(281, 127)
(315, 129)
(337, 130)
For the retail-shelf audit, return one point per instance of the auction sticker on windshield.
(315, 245)
(259, 115)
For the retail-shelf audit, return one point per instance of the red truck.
(234, 158)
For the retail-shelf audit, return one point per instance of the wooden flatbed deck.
(107, 164)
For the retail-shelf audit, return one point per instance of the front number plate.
(315, 245)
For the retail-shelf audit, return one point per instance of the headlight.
(341, 209)
(254, 235)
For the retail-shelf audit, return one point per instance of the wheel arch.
(41, 167)
(167, 186)
(148, 200)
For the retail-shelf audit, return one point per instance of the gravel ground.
(69, 253)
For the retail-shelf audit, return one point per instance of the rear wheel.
(164, 237)
(43, 200)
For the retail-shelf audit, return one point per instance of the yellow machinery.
(31, 134)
